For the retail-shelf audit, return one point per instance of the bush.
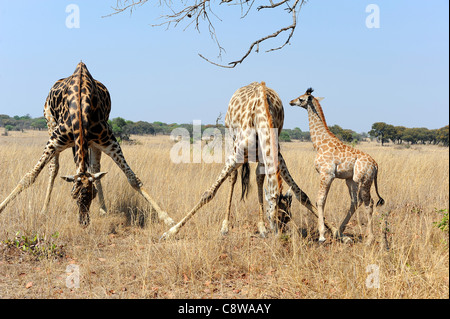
(284, 137)
(37, 245)
(443, 223)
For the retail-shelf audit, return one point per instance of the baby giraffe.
(337, 160)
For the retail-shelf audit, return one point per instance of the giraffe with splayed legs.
(255, 113)
(336, 160)
(77, 111)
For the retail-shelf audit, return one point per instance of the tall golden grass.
(119, 255)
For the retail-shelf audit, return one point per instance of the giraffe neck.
(318, 128)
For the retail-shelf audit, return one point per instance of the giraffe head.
(305, 100)
(284, 203)
(84, 192)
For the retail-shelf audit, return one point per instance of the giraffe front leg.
(230, 165)
(301, 195)
(53, 171)
(325, 183)
(260, 183)
(96, 156)
(353, 191)
(368, 203)
(51, 149)
(113, 150)
(232, 178)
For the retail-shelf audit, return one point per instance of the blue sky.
(398, 73)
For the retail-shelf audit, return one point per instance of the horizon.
(223, 124)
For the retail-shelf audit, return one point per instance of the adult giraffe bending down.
(336, 160)
(77, 111)
(254, 113)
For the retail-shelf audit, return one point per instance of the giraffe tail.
(273, 138)
(245, 180)
(380, 199)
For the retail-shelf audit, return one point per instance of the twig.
(201, 10)
(273, 35)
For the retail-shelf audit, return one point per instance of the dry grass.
(119, 255)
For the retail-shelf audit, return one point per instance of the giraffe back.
(77, 111)
(255, 111)
(246, 103)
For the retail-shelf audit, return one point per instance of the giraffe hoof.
(168, 234)
(346, 240)
(369, 241)
(164, 237)
(103, 212)
(224, 229)
(169, 221)
(262, 230)
(322, 240)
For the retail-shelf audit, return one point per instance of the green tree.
(141, 128)
(119, 128)
(442, 135)
(345, 135)
(397, 134)
(39, 123)
(382, 131)
(410, 135)
(284, 136)
(296, 134)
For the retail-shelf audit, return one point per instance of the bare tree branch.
(118, 9)
(274, 35)
(199, 11)
(273, 5)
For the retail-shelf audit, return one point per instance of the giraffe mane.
(79, 76)
(271, 133)
(319, 110)
(317, 106)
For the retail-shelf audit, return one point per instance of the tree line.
(21, 123)
(416, 135)
(123, 129)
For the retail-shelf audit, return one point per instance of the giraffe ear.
(69, 178)
(266, 194)
(319, 98)
(289, 192)
(98, 176)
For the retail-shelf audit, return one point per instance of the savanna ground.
(119, 255)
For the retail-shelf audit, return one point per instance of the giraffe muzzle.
(84, 219)
(83, 213)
